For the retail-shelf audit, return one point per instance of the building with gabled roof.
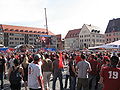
(15, 35)
(112, 32)
(90, 36)
(23, 29)
(72, 40)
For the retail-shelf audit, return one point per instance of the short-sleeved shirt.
(2, 62)
(111, 78)
(34, 71)
(94, 67)
(47, 65)
(56, 69)
(83, 66)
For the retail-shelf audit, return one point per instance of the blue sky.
(63, 15)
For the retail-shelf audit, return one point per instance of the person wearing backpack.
(47, 71)
(15, 75)
(35, 77)
(25, 64)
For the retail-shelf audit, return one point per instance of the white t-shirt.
(34, 71)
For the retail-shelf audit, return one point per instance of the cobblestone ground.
(7, 85)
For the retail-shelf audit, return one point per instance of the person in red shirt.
(110, 76)
(77, 58)
(92, 76)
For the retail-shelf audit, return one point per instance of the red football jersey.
(111, 78)
(94, 67)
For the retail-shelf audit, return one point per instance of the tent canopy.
(113, 45)
(2, 45)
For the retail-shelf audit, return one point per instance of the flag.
(60, 60)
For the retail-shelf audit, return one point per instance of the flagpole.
(46, 26)
(46, 21)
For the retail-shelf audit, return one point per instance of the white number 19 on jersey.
(113, 75)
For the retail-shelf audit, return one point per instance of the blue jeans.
(92, 81)
(66, 81)
(72, 83)
(1, 78)
(59, 76)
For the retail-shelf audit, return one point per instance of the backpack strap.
(15, 69)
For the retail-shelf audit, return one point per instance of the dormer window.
(43, 32)
(21, 30)
(39, 32)
(35, 31)
(46, 32)
(26, 30)
(93, 30)
(30, 31)
(6, 29)
(17, 30)
(11, 30)
(98, 31)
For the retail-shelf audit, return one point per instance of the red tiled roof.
(73, 33)
(34, 30)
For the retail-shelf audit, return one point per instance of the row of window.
(31, 39)
(16, 43)
(74, 35)
(86, 40)
(20, 43)
(114, 34)
(25, 31)
(16, 38)
(87, 45)
(94, 40)
(95, 31)
(14, 34)
(114, 39)
(99, 36)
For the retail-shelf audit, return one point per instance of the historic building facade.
(71, 40)
(11, 36)
(90, 36)
(112, 32)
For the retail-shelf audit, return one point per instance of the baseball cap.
(37, 56)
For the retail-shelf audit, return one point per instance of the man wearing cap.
(35, 78)
(110, 76)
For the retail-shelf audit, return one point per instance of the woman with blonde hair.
(25, 64)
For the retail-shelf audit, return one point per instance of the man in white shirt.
(35, 78)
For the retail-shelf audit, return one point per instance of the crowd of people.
(83, 70)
